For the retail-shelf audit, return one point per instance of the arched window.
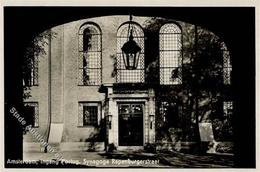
(134, 75)
(89, 62)
(170, 54)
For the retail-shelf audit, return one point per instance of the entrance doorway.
(130, 124)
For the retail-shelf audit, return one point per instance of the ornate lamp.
(130, 49)
(151, 121)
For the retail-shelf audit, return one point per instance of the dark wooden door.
(130, 124)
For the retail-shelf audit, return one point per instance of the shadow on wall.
(95, 138)
(170, 139)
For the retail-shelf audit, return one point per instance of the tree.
(34, 51)
(200, 94)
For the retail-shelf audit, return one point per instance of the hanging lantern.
(131, 50)
(151, 117)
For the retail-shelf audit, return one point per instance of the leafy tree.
(34, 50)
(200, 94)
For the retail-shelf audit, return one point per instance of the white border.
(130, 3)
(168, 3)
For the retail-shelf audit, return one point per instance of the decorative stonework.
(146, 98)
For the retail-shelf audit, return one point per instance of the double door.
(130, 124)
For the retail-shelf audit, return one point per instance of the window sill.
(89, 85)
(89, 126)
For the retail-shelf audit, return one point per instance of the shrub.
(223, 130)
(150, 147)
(111, 147)
(225, 147)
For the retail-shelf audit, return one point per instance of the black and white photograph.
(162, 87)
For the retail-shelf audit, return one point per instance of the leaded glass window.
(227, 67)
(228, 109)
(171, 112)
(170, 54)
(32, 113)
(30, 72)
(163, 109)
(134, 75)
(89, 113)
(89, 62)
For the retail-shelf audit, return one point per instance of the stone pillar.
(112, 113)
(151, 114)
(56, 70)
(55, 130)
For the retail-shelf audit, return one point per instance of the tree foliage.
(200, 93)
(35, 49)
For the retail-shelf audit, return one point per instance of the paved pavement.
(137, 159)
(181, 160)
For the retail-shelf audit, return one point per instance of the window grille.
(32, 113)
(170, 111)
(227, 67)
(163, 109)
(170, 54)
(31, 72)
(124, 75)
(90, 60)
(89, 114)
(228, 109)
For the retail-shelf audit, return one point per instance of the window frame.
(123, 75)
(82, 53)
(228, 105)
(180, 50)
(164, 106)
(34, 72)
(36, 113)
(81, 114)
(227, 65)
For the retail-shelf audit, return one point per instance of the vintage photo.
(129, 87)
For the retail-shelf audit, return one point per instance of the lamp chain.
(129, 26)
